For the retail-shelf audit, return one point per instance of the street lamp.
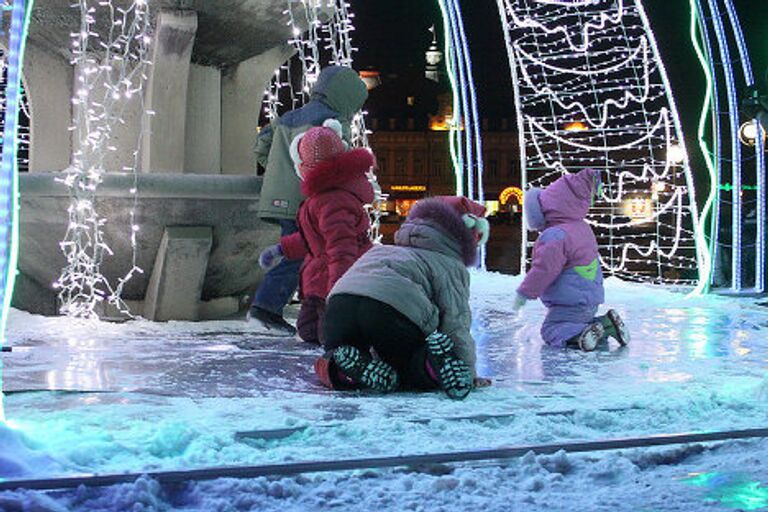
(749, 131)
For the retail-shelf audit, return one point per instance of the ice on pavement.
(171, 396)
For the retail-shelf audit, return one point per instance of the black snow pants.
(366, 324)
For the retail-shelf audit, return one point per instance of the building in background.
(408, 114)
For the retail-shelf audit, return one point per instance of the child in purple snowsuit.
(565, 273)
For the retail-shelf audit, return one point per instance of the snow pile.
(19, 457)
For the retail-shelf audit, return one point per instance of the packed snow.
(85, 397)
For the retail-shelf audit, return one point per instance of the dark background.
(392, 36)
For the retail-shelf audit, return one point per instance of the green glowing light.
(705, 272)
(455, 128)
(728, 187)
(731, 490)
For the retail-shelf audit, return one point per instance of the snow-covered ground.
(171, 396)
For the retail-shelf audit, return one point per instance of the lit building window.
(403, 206)
(638, 208)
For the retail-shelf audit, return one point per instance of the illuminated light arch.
(509, 193)
(723, 53)
(597, 61)
(9, 179)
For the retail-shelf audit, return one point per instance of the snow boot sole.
(363, 369)
(590, 337)
(453, 374)
(622, 333)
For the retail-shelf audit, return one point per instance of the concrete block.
(163, 143)
(226, 203)
(176, 284)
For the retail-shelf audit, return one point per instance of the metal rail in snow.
(295, 468)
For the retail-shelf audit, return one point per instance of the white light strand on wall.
(591, 92)
(110, 69)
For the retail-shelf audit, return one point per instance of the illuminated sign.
(408, 188)
(638, 208)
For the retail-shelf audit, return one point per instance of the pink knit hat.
(317, 145)
(473, 215)
(464, 205)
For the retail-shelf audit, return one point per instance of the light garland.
(710, 102)
(465, 140)
(318, 44)
(111, 70)
(596, 63)
(733, 72)
(9, 175)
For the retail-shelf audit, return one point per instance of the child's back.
(565, 272)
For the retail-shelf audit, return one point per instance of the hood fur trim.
(330, 174)
(449, 221)
(532, 212)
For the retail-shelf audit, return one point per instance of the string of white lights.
(591, 92)
(110, 69)
(319, 43)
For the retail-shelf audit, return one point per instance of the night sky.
(393, 34)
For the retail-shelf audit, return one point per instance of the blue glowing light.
(734, 71)
(9, 180)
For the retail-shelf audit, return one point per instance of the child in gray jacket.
(409, 303)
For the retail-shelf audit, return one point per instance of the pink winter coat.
(333, 226)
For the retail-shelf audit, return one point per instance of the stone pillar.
(242, 92)
(203, 130)
(48, 80)
(164, 140)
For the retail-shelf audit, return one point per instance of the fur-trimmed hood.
(346, 171)
(567, 199)
(434, 225)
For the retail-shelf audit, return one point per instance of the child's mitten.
(271, 257)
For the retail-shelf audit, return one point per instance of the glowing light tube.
(9, 179)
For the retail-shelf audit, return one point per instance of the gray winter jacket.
(339, 93)
(423, 276)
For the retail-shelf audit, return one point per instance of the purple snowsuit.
(565, 272)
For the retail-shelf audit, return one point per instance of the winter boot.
(614, 327)
(329, 374)
(589, 337)
(453, 374)
(363, 369)
(271, 323)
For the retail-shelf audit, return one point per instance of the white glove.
(518, 303)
